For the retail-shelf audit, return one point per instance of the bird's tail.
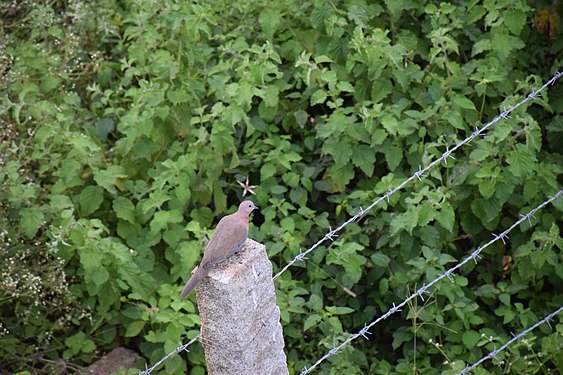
(192, 282)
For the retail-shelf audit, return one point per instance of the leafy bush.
(130, 123)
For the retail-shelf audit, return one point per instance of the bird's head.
(247, 207)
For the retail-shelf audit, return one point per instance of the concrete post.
(241, 331)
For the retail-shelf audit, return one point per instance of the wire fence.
(424, 289)
(494, 353)
(362, 212)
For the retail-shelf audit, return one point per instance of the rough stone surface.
(118, 358)
(241, 330)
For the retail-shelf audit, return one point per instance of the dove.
(228, 238)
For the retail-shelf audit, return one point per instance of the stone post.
(241, 331)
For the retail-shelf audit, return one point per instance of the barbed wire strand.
(177, 350)
(424, 289)
(494, 353)
(417, 175)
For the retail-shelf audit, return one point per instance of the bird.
(227, 239)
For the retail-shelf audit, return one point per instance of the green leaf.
(318, 97)
(363, 157)
(341, 153)
(88, 346)
(487, 290)
(446, 217)
(320, 15)
(269, 20)
(393, 156)
(322, 185)
(380, 89)
(134, 328)
(315, 303)
(31, 219)
(400, 336)
(162, 111)
(404, 221)
(505, 44)
(56, 31)
(301, 117)
(177, 96)
(463, 102)
(278, 189)
(487, 188)
(104, 126)
(296, 194)
(346, 255)
(446, 258)
(504, 298)
(481, 46)
(380, 259)
(455, 119)
(340, 177)
(339, 310)
(344, 86)
(486, 209)
(134, 312)
(203, 215)
(482, 151)
(378, 136)
(100, 276)
(267, 171)
(174, 234)
(130, 272)
(407, 126)
(69, 173)
(124, 209)
(90, 199)
(161, 219)
(80, 343)
(383, 286)
(520, 161)
(271, 96)
(49, 83)
(501, 131)
(515, 20)
(507, 313)
(107, 178)
(60, 202)
(390, 123)
(426, 214)
(311, 321)
(470, 338)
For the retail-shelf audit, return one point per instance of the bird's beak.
(256, 207)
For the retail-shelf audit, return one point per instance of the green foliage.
(126, 126)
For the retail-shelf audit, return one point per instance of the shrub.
(133, 121)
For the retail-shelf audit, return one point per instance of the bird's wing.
(228, 238)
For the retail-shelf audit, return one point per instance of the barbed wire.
(177, 350)
(420, 173)
(494, 353)
(417, 175)
(424, 289)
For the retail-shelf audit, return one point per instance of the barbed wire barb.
(365, 332)
(397, 308)
(447, 154)
(420, 172)
(496, 351)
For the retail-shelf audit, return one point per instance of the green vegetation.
(125, 126)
